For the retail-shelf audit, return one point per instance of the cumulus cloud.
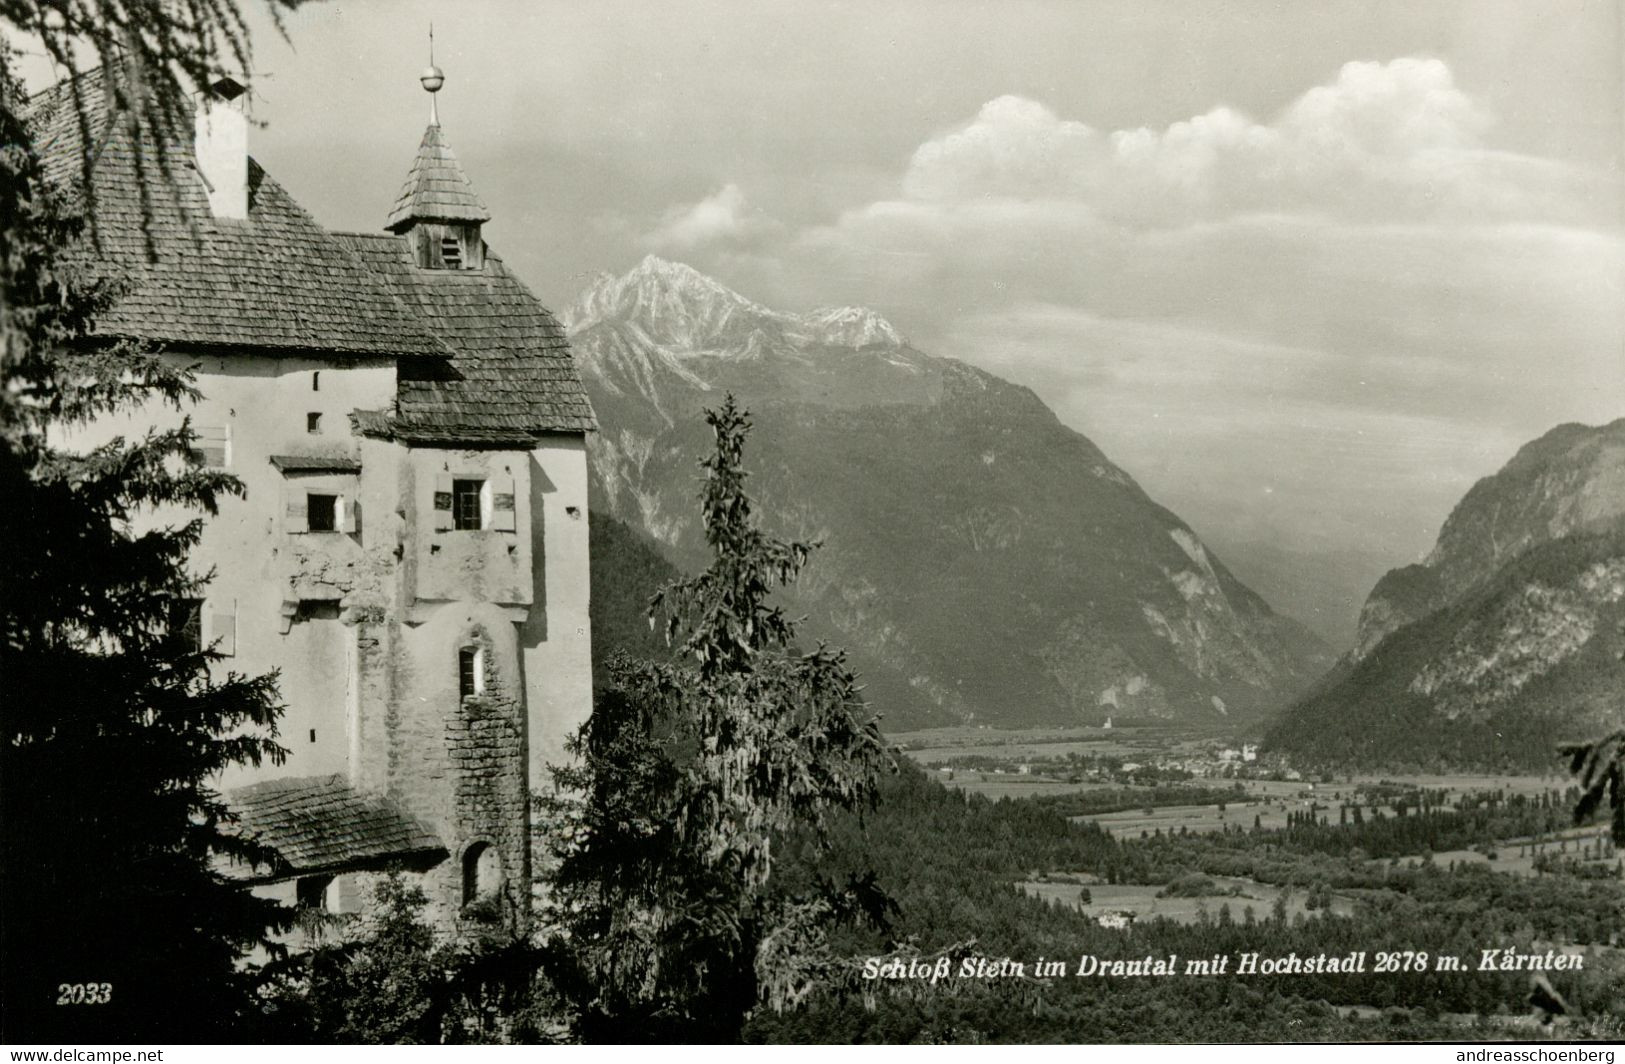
(1354, 309)
(723, 217)
(1381, 140)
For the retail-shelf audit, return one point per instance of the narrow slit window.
(313, 423)
(465, 504)
(316, 380)
(470, 672)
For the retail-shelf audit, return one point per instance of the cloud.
(1382, 140)
(724, 217)
(1360, 305)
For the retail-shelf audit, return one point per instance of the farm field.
(1017, 751)
(1465, 783)
(1143, 902)
(936, 745)
(1516, 856)
(1008, 785)
(1192, 818)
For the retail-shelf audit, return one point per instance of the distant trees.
(689, 776)
(1600, 767)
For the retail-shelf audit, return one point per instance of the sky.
(1306, 271)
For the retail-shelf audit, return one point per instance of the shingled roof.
(501, 369)
(511, 373)
(277, 281)
(319, 824)
(436, 189)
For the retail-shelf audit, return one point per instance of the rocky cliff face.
(1570, 480)
(1506, 640)
(1528, 659)
(981, 561)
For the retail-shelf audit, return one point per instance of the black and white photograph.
(1060, 522)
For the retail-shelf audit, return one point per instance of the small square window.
(186, 622)
(465, 504)
(321, 512)
(313, 423)
(311, 892)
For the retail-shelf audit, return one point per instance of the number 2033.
(84, 993)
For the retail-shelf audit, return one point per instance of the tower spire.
(433, 78)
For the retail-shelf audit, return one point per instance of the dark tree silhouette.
(690, 775)
(116, 927)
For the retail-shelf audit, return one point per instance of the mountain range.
(1506, 640)
(981, 561)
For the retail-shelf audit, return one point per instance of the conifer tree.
(690, 776)
(117, 927)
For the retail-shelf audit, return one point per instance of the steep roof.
(277, 280)
(320, 824)
(511, 371)
(436, 188)
(500, 369)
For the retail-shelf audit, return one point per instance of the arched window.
(482, 873)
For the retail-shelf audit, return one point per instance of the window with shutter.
(186, 622)
(211, 445)
(468, 504)
(321, 512)
(503, 513)
(442, 502)
(296, 519)
(222, 627)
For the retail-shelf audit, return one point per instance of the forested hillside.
(963, 897)
(626, 571)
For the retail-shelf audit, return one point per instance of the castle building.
(410, 554)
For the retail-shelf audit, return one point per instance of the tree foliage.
(688, 777)
(1600, 767)
(386, 978)
(113, 728)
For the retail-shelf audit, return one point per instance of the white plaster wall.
(456, 564)
(557, 640)
(263, 402)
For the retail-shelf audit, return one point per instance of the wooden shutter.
(442, 502)
(210, 445)
(346, 515)
(503, 516)
(220, 629)
(296, 517)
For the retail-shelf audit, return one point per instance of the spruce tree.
(690, 775)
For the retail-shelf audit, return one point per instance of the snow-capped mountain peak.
(688, 307)
(851, 327)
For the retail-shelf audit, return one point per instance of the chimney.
(222, 147)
